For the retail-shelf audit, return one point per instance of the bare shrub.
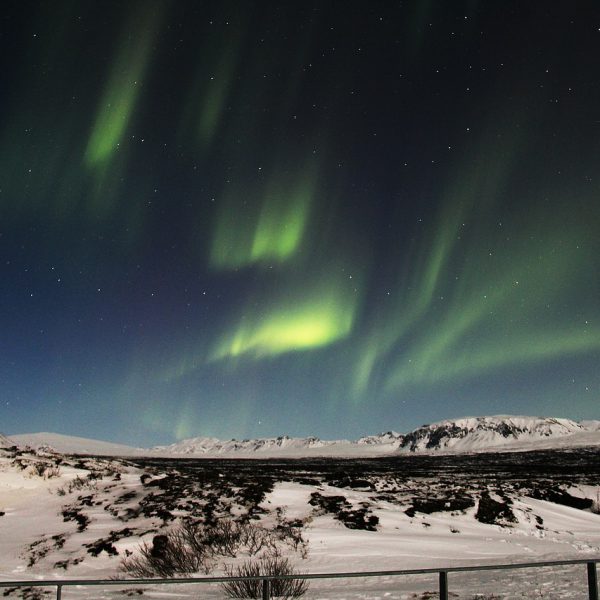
(272, 566)
(189, 548)
(290, 532)
(20, 464)
(225, 537)
(52, 471)
(194, 547)
(38, 468)
(165, 557)
(292, 537)
(256, 539)
(76, 484)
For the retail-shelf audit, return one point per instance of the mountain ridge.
(463, 435)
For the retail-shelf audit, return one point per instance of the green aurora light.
(267, 228)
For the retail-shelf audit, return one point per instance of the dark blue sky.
(252, 219)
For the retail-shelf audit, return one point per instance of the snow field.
(33, 527)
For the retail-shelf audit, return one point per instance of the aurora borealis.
(247, 219)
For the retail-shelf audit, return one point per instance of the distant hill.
(5, 442)
(469, 434)
(69, 444)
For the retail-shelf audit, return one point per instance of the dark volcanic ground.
(422, 484)
(572, 466)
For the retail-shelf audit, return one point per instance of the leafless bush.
(52, 471)
(167, 556)
(194, 547)
(225, 537)
(256, 539)
(272, 566)
(20, 464)
(189, 548)
(76, 484)
(41, 469)
(290, 533)
(292, 537)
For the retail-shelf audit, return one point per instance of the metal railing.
(592, 577)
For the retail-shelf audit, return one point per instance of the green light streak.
(122, 90)
(215, 92)
(519, 349)
(364, 369)
(203, 118)
(271, 231)
(188, 362)
(293, 326)
(186, 421)
(440, 303)
(282, 223)
(499, 314)
(469, 201)
(410, 307)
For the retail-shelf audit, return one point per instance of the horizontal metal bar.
(182, 580)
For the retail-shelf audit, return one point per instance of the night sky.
(247, 219)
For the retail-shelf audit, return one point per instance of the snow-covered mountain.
(389, 437)
(214, 446)
(470, 434)
(476, 434)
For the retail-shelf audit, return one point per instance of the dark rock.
(492, 512)
(431, 505)
(559, 496)
(159, 546)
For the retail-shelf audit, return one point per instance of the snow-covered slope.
(5, 442)
(68, 444)
(471, 434)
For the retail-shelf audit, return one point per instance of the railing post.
(592, 580)
(58, 591)
(443, 585)
(266, 589)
